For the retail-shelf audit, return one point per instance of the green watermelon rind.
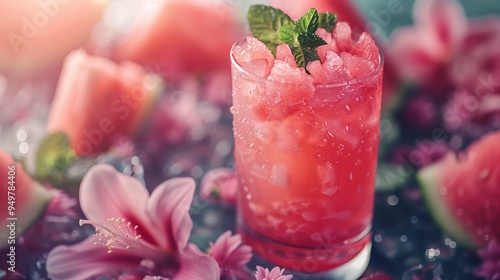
(428, 179)
(29, 212)
(154, 95)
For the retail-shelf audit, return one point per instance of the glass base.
(351, 270)
(345, 261)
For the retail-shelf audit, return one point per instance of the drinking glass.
(306, 172)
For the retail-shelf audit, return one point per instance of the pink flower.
(61, 204)
(220, 185)
(135, 233)
(490, 268)
(423, 51)
(231, 255)
(275, 274)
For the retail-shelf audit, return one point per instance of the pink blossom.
(231, 255)
(275, 274)
(135, 233)
(423, 51)
(61, 204)
(220, 185)
(490, 268)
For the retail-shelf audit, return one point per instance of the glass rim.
(358, 80)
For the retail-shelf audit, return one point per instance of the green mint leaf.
(53, 158)
(310, 40)
(273, 27)
(308, 23)
(287, 34)
(327, 21)
(304, 55)
(264, 23)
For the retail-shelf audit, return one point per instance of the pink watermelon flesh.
(30, 199)
(342, 60)
(463, 190)
(98, 102)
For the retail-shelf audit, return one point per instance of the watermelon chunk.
(462, 192)
(98, 102)
(255, 57)
(27, 198)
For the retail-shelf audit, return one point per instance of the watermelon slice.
(98, 101)
(27, 200)
(462, 192)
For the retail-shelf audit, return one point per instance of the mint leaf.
(304, 55)
(310, 40)
(264, 23)
(287, 33)
(327, 21)
(273, 27)
(53, 158)
(308, 23)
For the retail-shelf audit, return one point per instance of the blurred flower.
(99, 102)
(135, 233)
(181, 37)
(220, 185)
(423, 51)
(377, 276)
(62, 204)
(275, 274)
(39, 33)
(420, 114)
(490, 268)
(422, 154)
(455, 63)
(231, 255)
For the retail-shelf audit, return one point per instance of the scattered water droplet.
(414, 219)
(393, 200)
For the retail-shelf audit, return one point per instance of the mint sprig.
(273, 27)
(264, 22)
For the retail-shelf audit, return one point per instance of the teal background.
(373, 9)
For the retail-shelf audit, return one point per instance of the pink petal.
(196, 265)
(220, 185)
(85, 260)
(106, 193)
(445, 18)
(415, 52)
(168, 208)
